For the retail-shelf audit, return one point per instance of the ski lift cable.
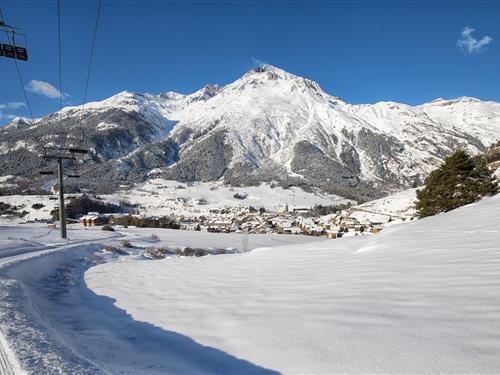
(59, 44)
(60, 68)
(90, 67)
(19, 75)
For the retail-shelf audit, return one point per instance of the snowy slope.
(51, 323)
(166, 197)
(393, 208)
(417, 298)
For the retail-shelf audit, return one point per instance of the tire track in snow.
(8, 363)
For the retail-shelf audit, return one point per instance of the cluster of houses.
(245, 220)
(95, 218)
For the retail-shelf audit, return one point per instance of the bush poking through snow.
(162, 252)
(110, 248)
(201, 252)
(155, 237)
(37, 206)
(127, 244)
(108, 228)
(240, 196)
(115, 249)
(7, 209)
(157, 252)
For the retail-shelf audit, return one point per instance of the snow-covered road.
(54, 323)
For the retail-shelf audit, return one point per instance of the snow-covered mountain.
(267, 125)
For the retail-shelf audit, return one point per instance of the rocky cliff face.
(267, 125)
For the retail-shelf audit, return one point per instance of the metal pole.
(62, 210)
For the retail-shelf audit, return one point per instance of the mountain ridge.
(267, 125)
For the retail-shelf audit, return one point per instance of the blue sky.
(361, 51)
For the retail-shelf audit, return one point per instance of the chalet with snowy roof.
(93, 219)
(220, 226)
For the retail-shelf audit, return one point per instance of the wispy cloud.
(45, 89)
(469, 45)
(9, 106)
(4, 116)
(257, 62)
(13, 105)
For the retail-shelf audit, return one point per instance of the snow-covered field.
(51, 322)
(164, 197)
(395, 207)
(420, 297)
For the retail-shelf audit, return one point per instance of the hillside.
(418, 298)
(267, 125)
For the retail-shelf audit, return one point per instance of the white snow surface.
(395, 207)
(418, 298)
(166, 197)
(51, 322)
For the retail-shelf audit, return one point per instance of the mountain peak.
(459, 100)
(272, 72)
(18, 122)
(171, 95)
(206, 92)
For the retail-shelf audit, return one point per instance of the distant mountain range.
(267, 125)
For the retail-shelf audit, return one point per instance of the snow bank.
(25, 313)
(421, 297)
(55, 324)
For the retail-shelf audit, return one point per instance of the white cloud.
(258, 62)
(469, 45)
(9, 106)
(6, 116)
(45, 89)
(13, 105)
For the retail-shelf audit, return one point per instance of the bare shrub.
(154, 252)
(114, 249)
(240, 196)
(188, 252)
(110, 248)
(157, 252)
(127, 244)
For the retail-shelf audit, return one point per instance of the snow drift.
(418, 298)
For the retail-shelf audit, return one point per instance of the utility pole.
(62, 209)
(61, 154)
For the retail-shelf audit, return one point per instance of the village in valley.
(168, 210)
(220, 208)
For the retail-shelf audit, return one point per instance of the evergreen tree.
(459, 181)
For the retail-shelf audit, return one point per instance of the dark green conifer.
(459, 181)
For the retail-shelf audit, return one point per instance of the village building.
(93, 219)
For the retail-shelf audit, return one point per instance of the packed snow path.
(55, 324)
(8, 362)
(421, 297)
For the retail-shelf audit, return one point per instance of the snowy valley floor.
(421, 297)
